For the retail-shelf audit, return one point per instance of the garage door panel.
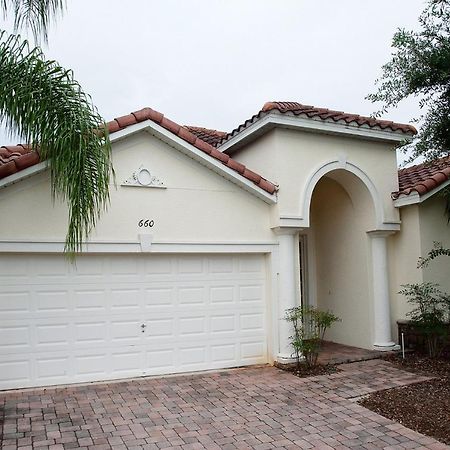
(52, 335)
(49, 268)
(221, 324)
(89, 300)
(251, 322)
(91, 332)
(251, 264)
(15, 337)
(224, 354)
(15, 371)
(52, 368)
(125, 331)
(61, 323)
(192, 326)
(191, 296)
(48, 301)
(91, 364)
(191, 266)
(162, 327)
(223, 265)
(160, 361)
(14, 302)
(251, 293)
(127, 361)
(124, 299)
(252, 352)
(159, 268)
(222, 294)
(159, 297)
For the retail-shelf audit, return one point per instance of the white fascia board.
(194, 153)
(414, 197)
(25, 173)
(57, 246)
(340, 128)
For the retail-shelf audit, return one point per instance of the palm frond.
(42, 103)
(35, 15)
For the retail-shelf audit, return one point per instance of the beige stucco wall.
(339, 226)
(422, 224)
(434, 227)
(197, 206)
(290, 158)
(404, 250)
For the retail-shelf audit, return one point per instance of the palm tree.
(41, 102)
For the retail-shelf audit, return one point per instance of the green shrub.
(309, 325)
(430, 313)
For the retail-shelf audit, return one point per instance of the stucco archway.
(342, 209)
(342, 166)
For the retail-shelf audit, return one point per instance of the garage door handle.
(143, 327)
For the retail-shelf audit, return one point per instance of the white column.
(382, 339)
(287, 289)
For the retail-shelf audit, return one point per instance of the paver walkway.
(333, 353)
(258, 408)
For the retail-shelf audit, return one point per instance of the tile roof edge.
(331, 116)
(120, 123)
(424, 186)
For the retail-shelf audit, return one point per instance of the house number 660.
(146, 223)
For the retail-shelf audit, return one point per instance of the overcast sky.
(214, 63)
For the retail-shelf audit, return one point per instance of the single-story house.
(208, 239)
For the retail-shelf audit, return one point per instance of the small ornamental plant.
(430, 314)
(309, 325)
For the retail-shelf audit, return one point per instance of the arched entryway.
(341, 213)
(342, 261)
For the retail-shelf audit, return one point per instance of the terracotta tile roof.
(14, 158)
(184, 133)
(212, 137)
(423, 178)
(313, 112)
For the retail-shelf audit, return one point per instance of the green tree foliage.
(41, 102)
(420, 67)
(35, 15)
(437, 250)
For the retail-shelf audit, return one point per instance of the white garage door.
(116, 316)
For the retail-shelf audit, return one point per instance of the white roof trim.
(414, 197)
(197, 154)
(321, 126)
(25, 173)
(57, 246)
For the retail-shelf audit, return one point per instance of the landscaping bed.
(309, 371)
(424, 406)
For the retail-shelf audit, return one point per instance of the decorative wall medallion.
(142, 177)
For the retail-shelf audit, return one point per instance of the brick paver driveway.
(259, 408)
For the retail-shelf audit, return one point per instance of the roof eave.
(414, 197)
(22, 174)
(274, 119)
